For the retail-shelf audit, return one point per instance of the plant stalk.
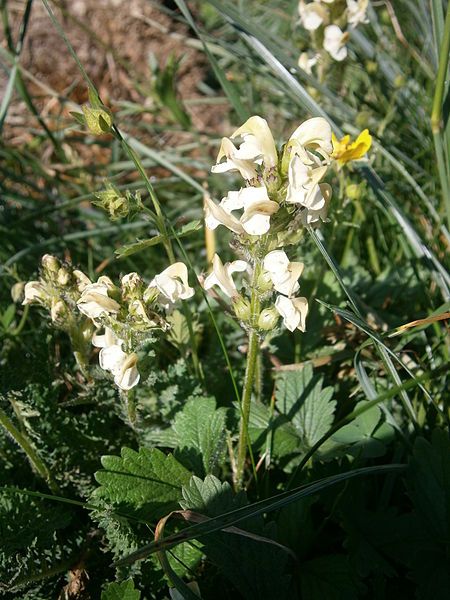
(36, 462)
(249, 380)
(436, 114)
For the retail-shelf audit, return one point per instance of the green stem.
(22, 440)
(436, 113)
(252, 357)
(249, 380)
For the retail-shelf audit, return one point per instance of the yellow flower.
(344, 150)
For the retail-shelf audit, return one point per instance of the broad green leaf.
(121, 591)
(200, 429)
(146, 482)
(362, 434)
(300, 397)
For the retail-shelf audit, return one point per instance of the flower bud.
(81, 279)
(98, 120)
(264, 283)
(132, 286)
(113, 202)
(50, 263)
(17, 291)
(241, 307)
(268, 319)
(35, 292)
(63, 276)
(354, 191)
(58, 311)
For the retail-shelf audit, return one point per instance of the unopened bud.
(63, 277)
(81, 279)
(268, 319)
(354, 191)
(35, 292)
(98, 120)
(58, 311)
(132, 286)
(17, 291)
(241, 308)
(50, 263)
(264, 282)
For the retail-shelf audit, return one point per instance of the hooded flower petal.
(105, 340)
(257, 210)
(283, 273)
(258, 142)
(317, 208)
(357, 12)
(312, 15)
(173, 283)
(35, 291)
(313, 134)
(94, 300)
(121, 365)
(222, 275)
(306, 63)
(246, 167)
(218, 214)
(303, 182)
(293, 311)
(334, 41)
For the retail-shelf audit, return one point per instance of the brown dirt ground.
(113, 39)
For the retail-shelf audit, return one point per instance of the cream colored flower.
(312, 135)
(172, 283)
(222, 275)
(58, 311)
(303, 181)
(306, 63)
(255, 219)
(246, 167)
(293, 311)
(284, 274)
(258, 142)
(107, 339)
(121, 365)
(35, 292)
(94, 301)
(317, 208)
(82, 280)
(334, 42)
(357, 12)
(312, 15)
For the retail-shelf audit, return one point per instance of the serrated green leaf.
(147, 482)
(300, 397)
(200, 429)
(121, 591)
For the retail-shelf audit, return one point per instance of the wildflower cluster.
(328, 22)
(283, 193)
(128, 315)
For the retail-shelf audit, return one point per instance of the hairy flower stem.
(36, 462)
(249, 380)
